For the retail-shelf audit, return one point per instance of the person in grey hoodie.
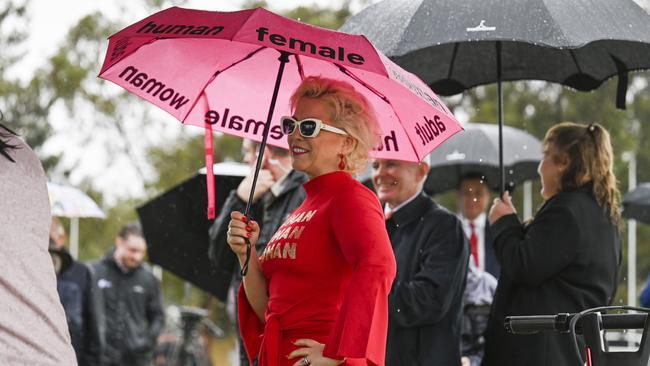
(33, 328)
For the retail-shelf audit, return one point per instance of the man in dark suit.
(474, 197)
(425, 301)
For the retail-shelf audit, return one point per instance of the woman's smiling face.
(318, 155)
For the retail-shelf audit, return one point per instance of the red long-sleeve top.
(329, 269)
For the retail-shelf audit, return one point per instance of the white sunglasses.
(308, 127)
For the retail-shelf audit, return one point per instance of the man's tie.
(473, 241)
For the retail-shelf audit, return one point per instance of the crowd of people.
(444, 263)
(338, 273)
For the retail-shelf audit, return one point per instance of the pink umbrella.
(233, 71)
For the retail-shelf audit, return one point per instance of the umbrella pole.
(502, 176)
(284, 59)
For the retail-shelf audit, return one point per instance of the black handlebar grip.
(530, 324)
(624, 321)
(560, 323)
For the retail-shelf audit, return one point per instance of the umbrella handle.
(244, 268)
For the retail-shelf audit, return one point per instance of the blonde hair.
(591, 159)
(351, 111)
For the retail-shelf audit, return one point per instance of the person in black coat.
(128, 302)
(278, 192)
(74, 281)
(567, 258)
(432, 254)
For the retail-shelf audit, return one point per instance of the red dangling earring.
(341, 162)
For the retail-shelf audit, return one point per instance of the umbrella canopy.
(477, 151)
(454, 45)
(176, 228)
(219, 69)
(636, 204)
(66, 201)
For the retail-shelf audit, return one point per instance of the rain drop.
(480, 160)
(510, 171)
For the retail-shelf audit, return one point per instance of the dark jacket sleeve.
(155, 313)
(443, 259)
(543, 249)
(95, 353)
(220, 226)
(91, 340)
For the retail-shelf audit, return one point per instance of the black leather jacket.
(129, 311)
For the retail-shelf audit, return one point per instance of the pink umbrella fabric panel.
(219, 69)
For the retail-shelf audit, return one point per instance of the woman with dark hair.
(33, 328)
(318, 294)
(566, 259)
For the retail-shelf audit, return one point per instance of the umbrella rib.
(239, 61)
(216, 73)
(453, 60)
(301, 71)
(575, 61)
(363, 83)
(377, 93)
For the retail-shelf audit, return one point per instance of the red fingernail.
(248, 228)
(249, 235)
(244, 219)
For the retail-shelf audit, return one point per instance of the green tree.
(24, 103)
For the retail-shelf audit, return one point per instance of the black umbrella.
(176, 228)
(477, 151)
(454, 45)
(636, 204)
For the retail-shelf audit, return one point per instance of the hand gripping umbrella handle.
(284, 58)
